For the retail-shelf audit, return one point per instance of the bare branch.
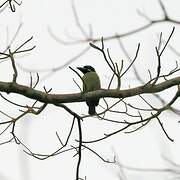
(137, 51)
(161, 124)
(58, 151)
(12, 6)
(170, 36)
(106, 161)
(14, 67)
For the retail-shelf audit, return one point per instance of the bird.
(91, 82)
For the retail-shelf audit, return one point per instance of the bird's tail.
(92, 110)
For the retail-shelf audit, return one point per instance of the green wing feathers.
(91, 82)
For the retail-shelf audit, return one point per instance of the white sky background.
(141, 149)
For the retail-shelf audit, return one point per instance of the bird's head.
(86, 69)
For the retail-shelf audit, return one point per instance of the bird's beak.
(81, 69)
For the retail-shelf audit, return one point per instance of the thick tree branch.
(41, 96)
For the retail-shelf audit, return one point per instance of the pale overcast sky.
(142, 149)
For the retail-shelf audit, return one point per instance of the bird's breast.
(91, 82)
